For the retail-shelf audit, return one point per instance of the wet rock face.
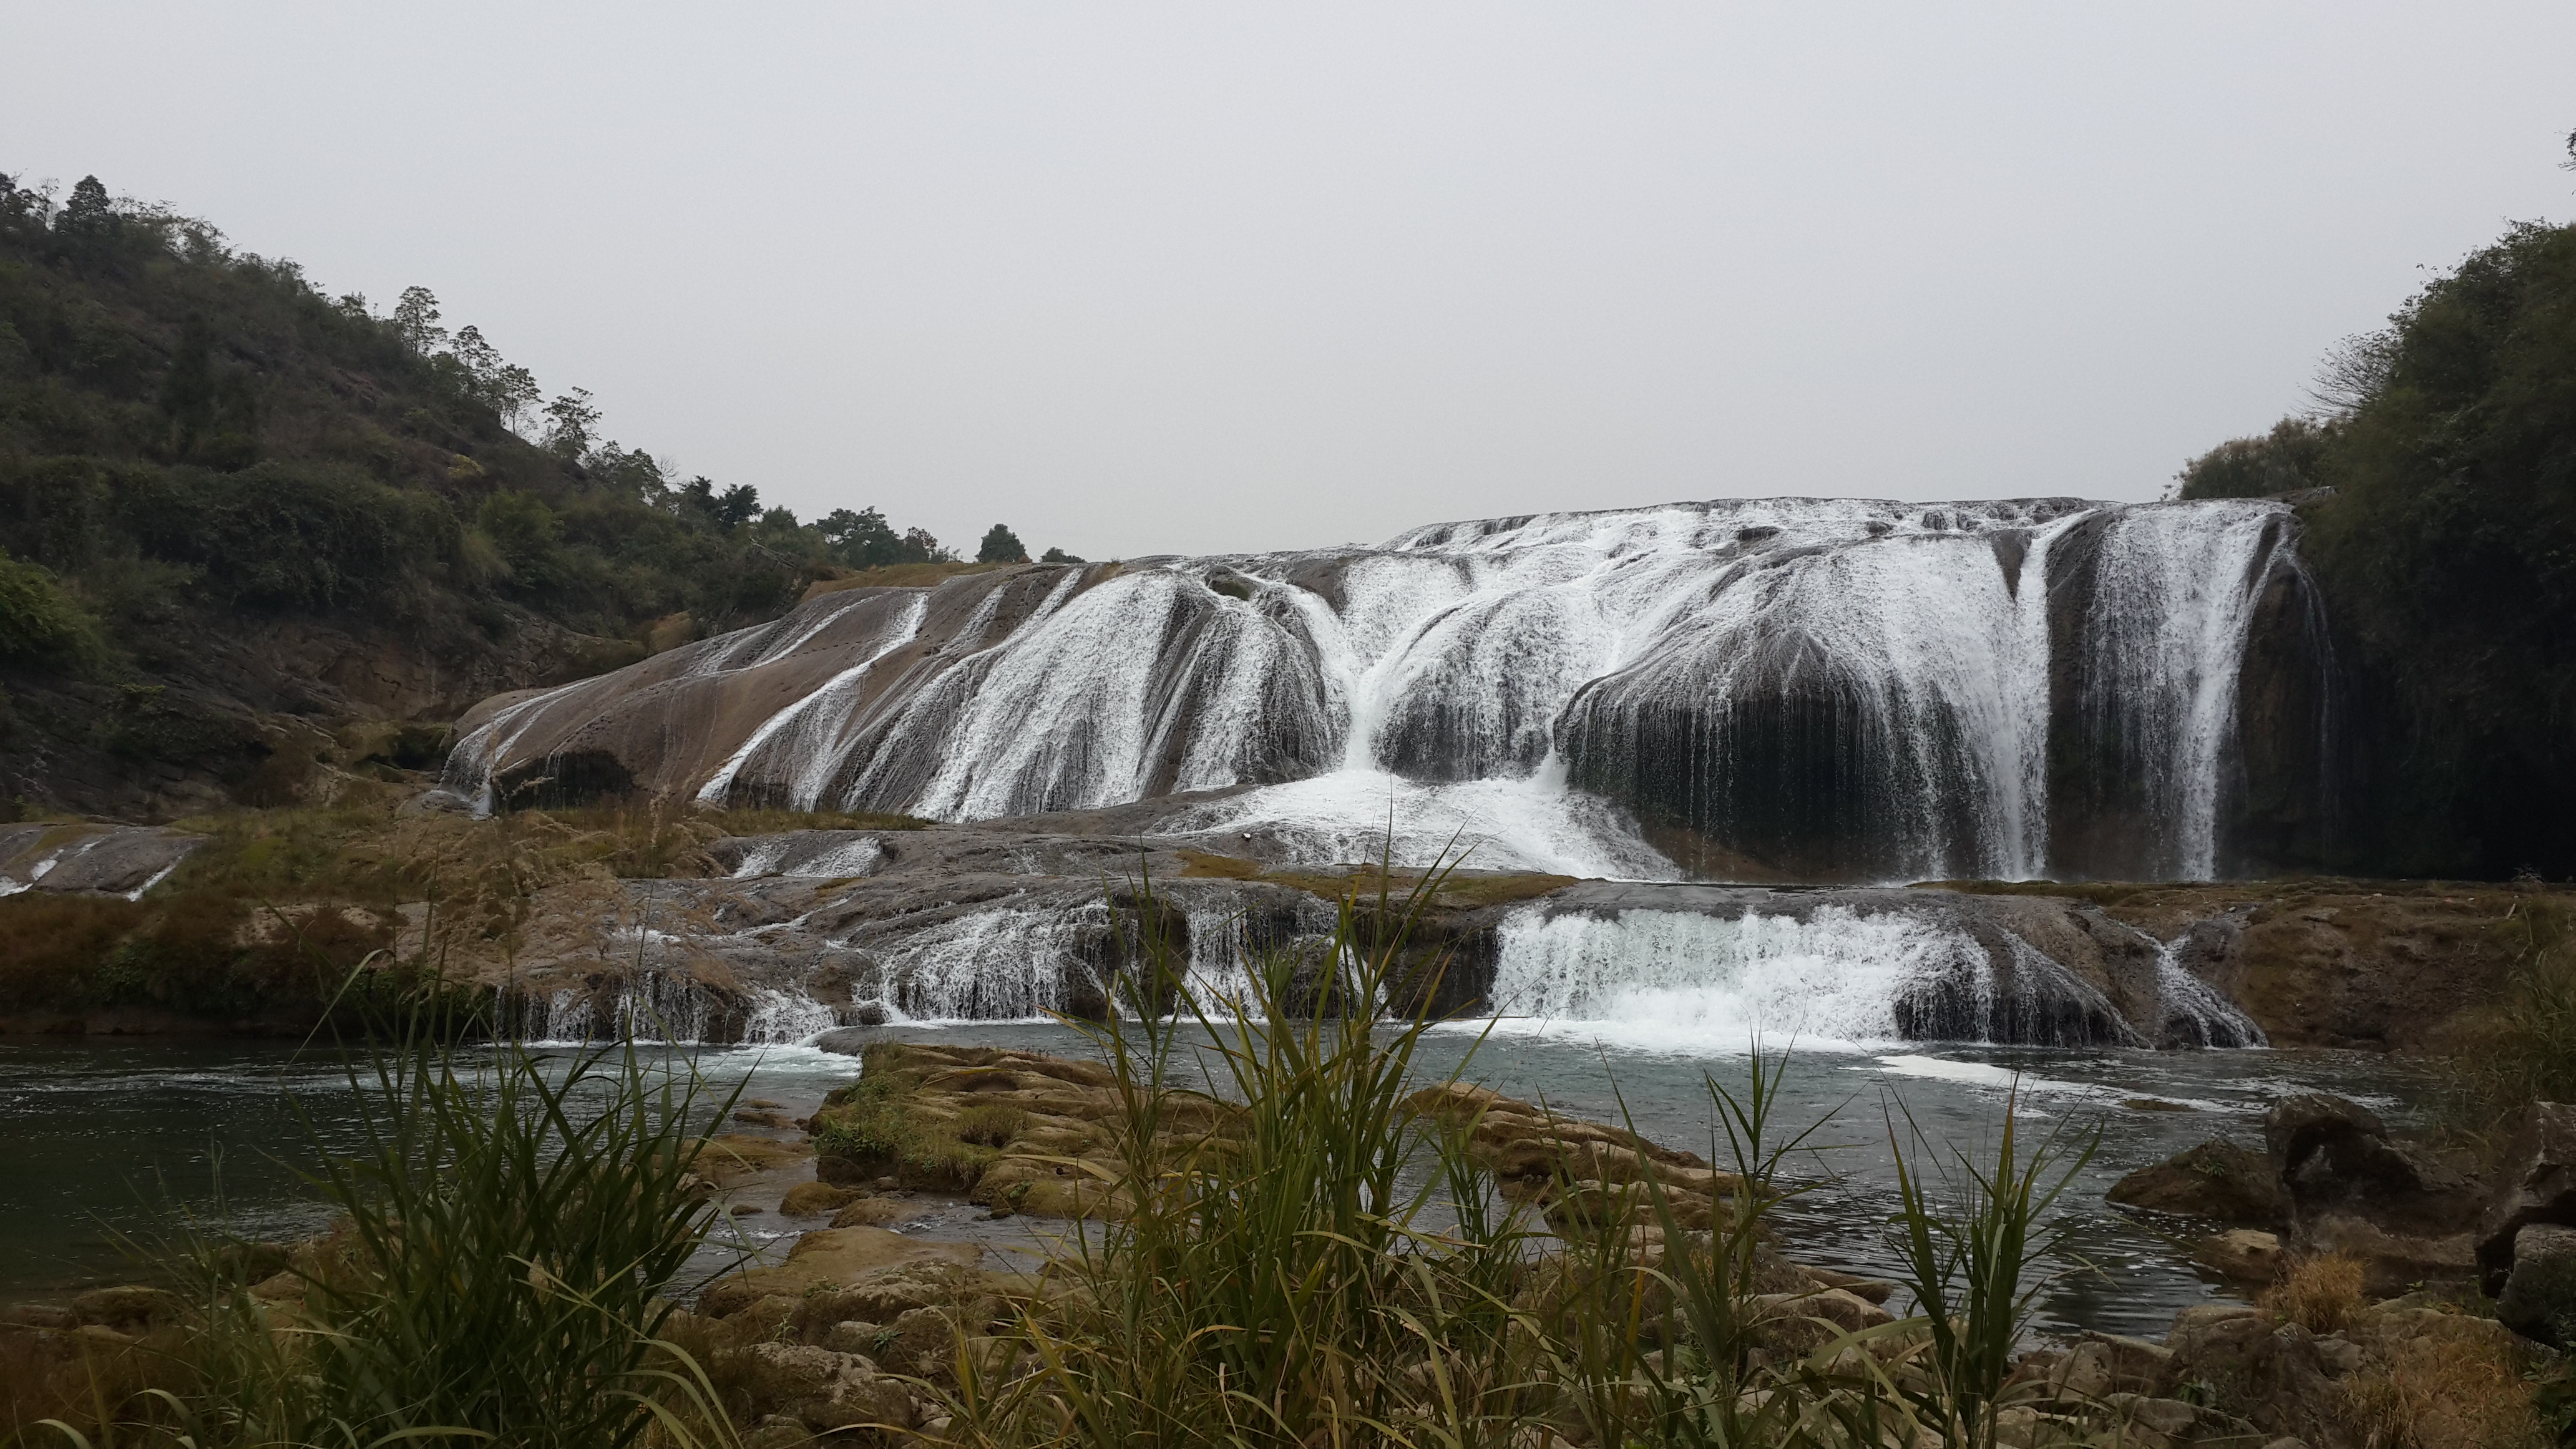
(1823, 690)
(122, 860)
(2353, 1190)
(833, 931)
(2536, 1186)
(2216, 1180)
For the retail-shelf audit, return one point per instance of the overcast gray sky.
(1189, 277)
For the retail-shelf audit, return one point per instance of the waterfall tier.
(1785, 689)
(828, 928)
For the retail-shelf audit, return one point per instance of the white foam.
(1686, 982)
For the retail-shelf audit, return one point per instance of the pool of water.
(108, 1143)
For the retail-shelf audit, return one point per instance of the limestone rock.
(2133, 1365)
(2539, 1298)
(2537, 1185)
(815, 1199)
(2243, 1254)
(128, 1309)
(2217, 1180)
(872, 1212)
(840, 1257)
(826, 1390)
(2335, 1159)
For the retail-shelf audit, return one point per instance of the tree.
(1001, 546)
(89, 215)
(214, 419)
(2285, 460)
(572, 424)
(416, 320)
(861, 540)
(1057, 555)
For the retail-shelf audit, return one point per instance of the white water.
(1681, 981)
(1900, 656)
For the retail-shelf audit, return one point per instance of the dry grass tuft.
(2320, 1294)
(2443, 1394)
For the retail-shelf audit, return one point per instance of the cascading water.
(1756, 691)
(1682, 980)
(1762, 689)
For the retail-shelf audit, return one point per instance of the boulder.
(2134, 1365)
(833, 1257)
(128, 1309)
(825, 1390)
(2241, 1254)
(2537, 1185)
(2539, 1297)
(2392, 1262)
(2217, 1180)
(815, 1199)
(2335, 1159)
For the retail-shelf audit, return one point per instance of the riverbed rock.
(2351, 1187)
(2241, 1254)
(827, 1391)
(2539, 1297)
(2217, 1179)
(833, 1258)
(2537, 1184)
(816, 1199)
(131, 1308)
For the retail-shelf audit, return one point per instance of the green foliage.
(1000, 545)
(524, 534)
(2447, 556)
(512, 1236)
(195, 430)
(516, 1226)
(864, 540)
(2285, 460)
(39, 623)
(1059, 556)
(2523, 1049)
(1969, 1234)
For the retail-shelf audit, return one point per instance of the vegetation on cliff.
(2447, 557)
(200, 448)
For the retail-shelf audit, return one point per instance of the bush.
(39, 623)
(2291, 457)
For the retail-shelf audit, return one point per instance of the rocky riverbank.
(592, 923)
(934, 1202)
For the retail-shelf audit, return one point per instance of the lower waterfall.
(1682, 981)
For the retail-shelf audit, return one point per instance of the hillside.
(251, 533)
(2438, 481)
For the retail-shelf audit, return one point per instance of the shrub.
(39, 623)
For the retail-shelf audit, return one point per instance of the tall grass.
(2523, 1050)
(1969, 1232)
(512, 1228)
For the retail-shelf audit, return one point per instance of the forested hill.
(246, 526)
(2438, 477)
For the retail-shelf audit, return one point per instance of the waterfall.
(1769, 689)
(1682, 980)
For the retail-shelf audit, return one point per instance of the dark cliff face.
(2111, 813)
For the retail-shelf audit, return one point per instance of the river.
(112, 1143)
